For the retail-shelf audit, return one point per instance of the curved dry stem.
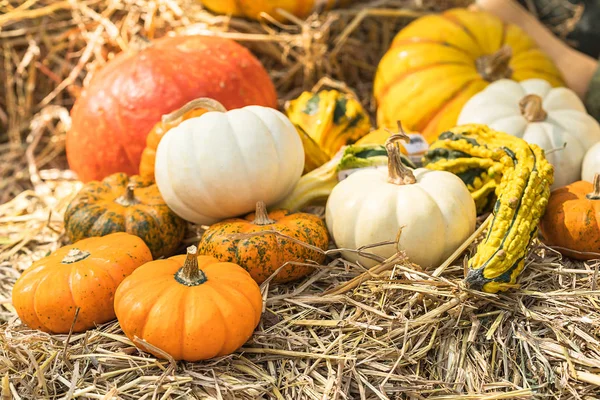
(531, 108)
(398, 173)
(202, 102)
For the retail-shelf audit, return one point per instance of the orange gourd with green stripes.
(436, 63)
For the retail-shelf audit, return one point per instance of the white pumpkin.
(433, 210)
(218, 165)
(591, 163)
(539, 114)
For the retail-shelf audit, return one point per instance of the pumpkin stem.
(75, 255)
(202, 102)
(128, 199)
(531, 108)
(189, 274)
(398, 173)
(595, 195)
(261, 216)
(495, 66)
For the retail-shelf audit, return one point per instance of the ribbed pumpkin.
(572, 220)
(326, 121)
(85, 275)
(192, 308)
(261, 255)
(129, 95)
(253, 8)
(436, 63)
(192, 109)
(122, 204)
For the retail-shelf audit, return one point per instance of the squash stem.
(128, 199)
(595, 195)
(202, 102)
(75, 255)
(493, 67)
(189, 274)
(531, 108)
(261, 215)
(398, 173)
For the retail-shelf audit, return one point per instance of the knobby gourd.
(522, 178)
(190, 307)
(439, 61)
(263, 254)
(84, 275)
(125, 204)
(572, 220)
(326, 121)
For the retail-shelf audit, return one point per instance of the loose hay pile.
(401, 333)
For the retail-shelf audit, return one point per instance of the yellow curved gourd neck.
(74, 255)
(189, 274)
(128, 199)
(493, 67)
(202, 102)
(595, 195)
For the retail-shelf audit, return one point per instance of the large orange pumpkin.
(436, 63)
(127, 97)
(84, 275)
(189, 307)
(572, 220)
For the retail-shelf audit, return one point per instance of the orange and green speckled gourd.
(521, 176)
(125, 204)
(262, 254)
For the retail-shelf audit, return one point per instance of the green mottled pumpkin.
(125, 204)
(250, 243)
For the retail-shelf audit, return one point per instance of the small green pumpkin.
(125, 204)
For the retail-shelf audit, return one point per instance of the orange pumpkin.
(129, 95)
(194, 108)
(192, 308)
(572, 220)
(263, 254)
(85, 275)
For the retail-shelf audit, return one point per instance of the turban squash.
(84, 275)
(436, 63)
(129, 95)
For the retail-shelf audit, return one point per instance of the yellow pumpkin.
(326, 121)
(253, 8)
(436, 63)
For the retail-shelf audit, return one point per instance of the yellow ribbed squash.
(253, 8)
(437, 62)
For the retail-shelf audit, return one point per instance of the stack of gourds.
(203, 164)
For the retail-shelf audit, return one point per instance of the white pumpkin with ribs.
(431, 213)
(554, 119)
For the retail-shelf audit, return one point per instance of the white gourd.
(539, 114)
(591, 163)
(431, 212)
(220, 164)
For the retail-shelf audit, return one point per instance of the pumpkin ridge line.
(33, 297)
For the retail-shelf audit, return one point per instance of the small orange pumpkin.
(572, 220)
(194, 108)
(262, 255)
(192, 308)
(85, 275)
